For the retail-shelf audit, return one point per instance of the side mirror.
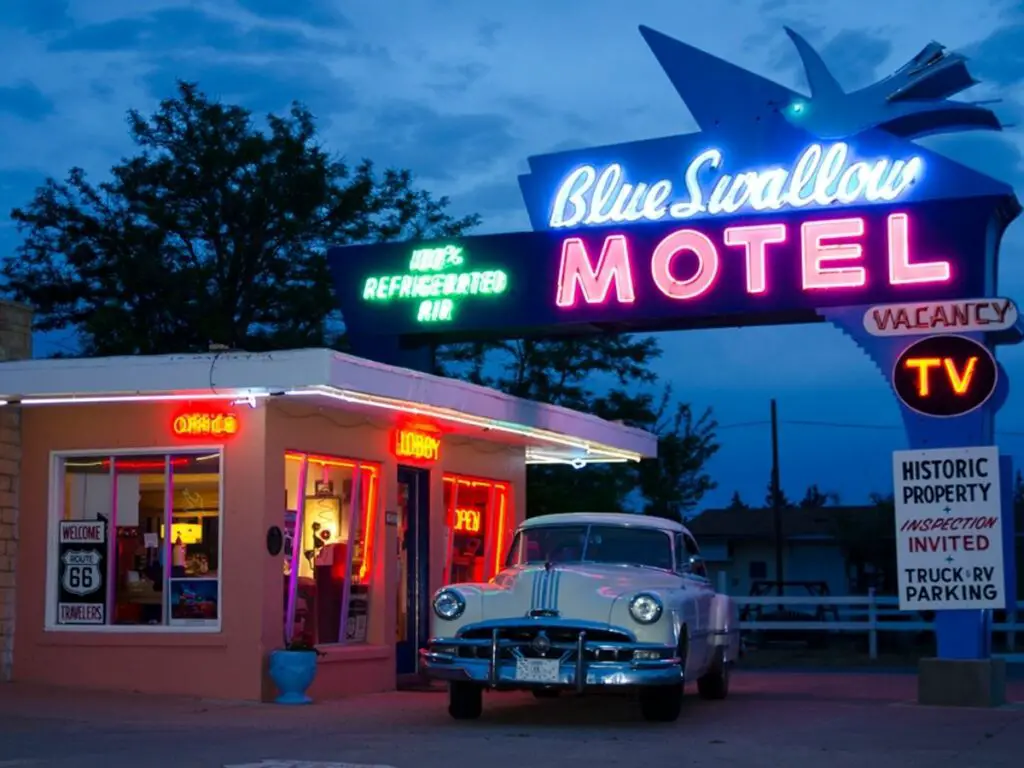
(695, 565)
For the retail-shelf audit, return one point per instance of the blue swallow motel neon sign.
(821, 175)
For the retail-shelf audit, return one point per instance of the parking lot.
(776, 718)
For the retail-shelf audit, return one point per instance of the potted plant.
(293, 668)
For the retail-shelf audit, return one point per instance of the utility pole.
(776, 506)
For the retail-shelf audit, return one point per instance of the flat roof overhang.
(550, 434)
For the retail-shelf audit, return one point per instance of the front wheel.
(714, 684)
(662, 703)
(465, 701)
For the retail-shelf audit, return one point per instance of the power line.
(841, 425)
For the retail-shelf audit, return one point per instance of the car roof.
(603, 518)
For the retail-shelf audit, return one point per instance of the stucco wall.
(367, 436)
(217, 665)
(15, 344)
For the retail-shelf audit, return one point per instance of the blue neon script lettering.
(821, 175)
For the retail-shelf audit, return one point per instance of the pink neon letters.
(755, 241)
(707, 264)
(831, 257)
(612, 267)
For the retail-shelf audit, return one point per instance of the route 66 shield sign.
(81, 573)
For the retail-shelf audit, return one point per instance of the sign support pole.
(960, 635)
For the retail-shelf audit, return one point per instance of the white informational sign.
(920, 318)
(949, 533)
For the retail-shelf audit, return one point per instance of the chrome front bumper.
(442, 660)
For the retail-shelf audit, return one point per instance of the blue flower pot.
(292, 673)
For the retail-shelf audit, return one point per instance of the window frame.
(375, 473)
(54, 507)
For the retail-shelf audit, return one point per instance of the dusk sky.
(462, 92)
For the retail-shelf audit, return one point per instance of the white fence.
(868, 614)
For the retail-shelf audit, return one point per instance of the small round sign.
(275, 540)
(945, 376)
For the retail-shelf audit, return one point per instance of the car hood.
(584, 592)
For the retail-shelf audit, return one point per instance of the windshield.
(618, 544)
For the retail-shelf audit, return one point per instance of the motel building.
(169, 521)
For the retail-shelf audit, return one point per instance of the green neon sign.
(438, 281)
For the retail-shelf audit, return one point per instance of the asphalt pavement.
(774, 719)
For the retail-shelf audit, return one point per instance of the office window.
(114, 563)
(328, 551)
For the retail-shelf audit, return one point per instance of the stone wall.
(15, 344)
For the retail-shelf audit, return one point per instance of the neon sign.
(205, 425)
(945, 375)
(820, 176)
(410, 444)
(437, 280)
(467, 521)
(830, 257)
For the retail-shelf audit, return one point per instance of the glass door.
(413, 602)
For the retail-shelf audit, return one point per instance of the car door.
(694, 573)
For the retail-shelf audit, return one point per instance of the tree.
(736, 502)
(568, 372)
(784, 502)
(213, 232)
(867, 537)
(815, 498)
(674, 482)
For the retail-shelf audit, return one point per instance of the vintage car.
(587, 602)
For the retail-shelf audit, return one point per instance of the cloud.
(262, 88)
(35, 16)
(999, 58)
(458, 78)
(435, 145)
(854, 56)
(316, 12)
(487, 33)
(26, 101)
(177, 29)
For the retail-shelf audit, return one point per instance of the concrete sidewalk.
(771, 719)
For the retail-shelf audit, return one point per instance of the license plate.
(537, 670)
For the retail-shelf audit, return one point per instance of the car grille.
(517, 643)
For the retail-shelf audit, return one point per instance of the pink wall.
(216, 665)
(232, 663)
(368, 437)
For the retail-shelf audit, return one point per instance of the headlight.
(449, 604)
(645, 608)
